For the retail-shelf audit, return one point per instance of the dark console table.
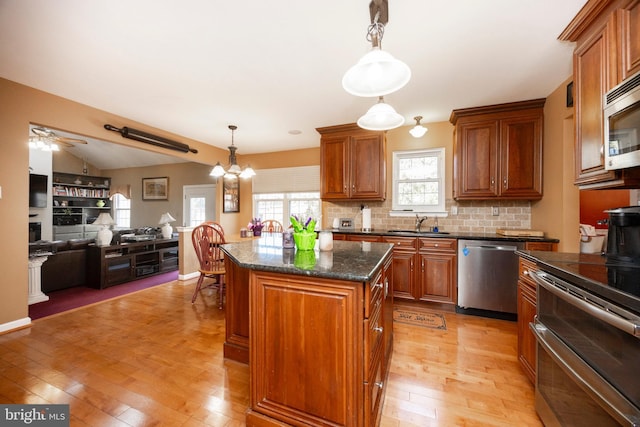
(115, 264)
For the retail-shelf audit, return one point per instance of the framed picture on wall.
(155, 188)
(230, 195)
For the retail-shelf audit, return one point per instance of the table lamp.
(104, 234)
(167, 229)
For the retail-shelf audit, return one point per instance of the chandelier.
(234, 170)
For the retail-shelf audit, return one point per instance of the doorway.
(199, 204)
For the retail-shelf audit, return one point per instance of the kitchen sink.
(421, 233)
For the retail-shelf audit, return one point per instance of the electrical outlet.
(454, 210)
(495, 211)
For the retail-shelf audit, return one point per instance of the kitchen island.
(317, 327)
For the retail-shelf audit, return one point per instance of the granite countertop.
(446, 235)
(352, 261)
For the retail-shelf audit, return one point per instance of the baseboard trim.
(15, 325)
(188, 276)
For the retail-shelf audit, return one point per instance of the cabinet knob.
(493, 181)
(525, 272)
(504, 182)
(378, 329)
(379, 285)
(379, 384)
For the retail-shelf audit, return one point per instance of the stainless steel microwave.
(622, 125)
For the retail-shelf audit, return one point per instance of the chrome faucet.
(419, 222)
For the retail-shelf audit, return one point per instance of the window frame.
(116, 201)
(287, 198)
(402, 210)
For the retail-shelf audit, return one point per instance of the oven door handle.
(595, 306)
(589, 380)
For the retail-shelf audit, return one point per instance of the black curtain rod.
(147, 138)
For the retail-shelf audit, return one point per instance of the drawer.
(373, 334)
(374, 294)
(524, 268)
(402, 243)
(374, 391)
(437, 244)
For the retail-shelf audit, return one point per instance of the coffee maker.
(623, 238)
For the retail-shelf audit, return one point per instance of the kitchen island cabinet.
(352, 163)
(320, 331)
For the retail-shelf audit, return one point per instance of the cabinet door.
(592, 79)
(367, 167)
(403, 275)
(476, 152)
(629, 40)
(334, 171)
(437, 277)
(521, 157)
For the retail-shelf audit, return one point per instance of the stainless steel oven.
(588, 356)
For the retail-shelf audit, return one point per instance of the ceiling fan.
(47, 139)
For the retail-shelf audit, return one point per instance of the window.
(122, 210)
(280, 206)
(418, 180)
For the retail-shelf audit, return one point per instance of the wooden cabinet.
(527, 306)
(498, 151)
(526, 312)
(541, 246)
(424, 269)
(629, 23)
(313, 366)
(607, 51)
(115, 264)
(352, 163)
(437, 270)
(404, 258)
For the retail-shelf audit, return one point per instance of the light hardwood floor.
(154, 359)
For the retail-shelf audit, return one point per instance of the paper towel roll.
(366, 219)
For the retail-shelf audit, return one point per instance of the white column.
(35, 283)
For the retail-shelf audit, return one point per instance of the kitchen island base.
(319, 344)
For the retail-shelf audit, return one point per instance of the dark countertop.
(616, 283)
(447, 235)
(352, 261)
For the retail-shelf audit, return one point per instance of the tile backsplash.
(474, 216)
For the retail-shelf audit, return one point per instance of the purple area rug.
(68, 299)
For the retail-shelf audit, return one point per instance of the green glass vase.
(304, 241)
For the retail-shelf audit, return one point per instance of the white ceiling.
(195, 66)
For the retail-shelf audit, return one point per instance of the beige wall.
(21, 105)
(558, 212)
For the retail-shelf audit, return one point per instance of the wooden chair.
(216, 225)
(207, 239)
(272, 226)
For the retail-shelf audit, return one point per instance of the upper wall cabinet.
(352, 163)
(607, 51)
(497, 151)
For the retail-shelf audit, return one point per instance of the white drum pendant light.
(381, 117)
(377, 73)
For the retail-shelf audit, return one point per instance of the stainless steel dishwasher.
(488, 277)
